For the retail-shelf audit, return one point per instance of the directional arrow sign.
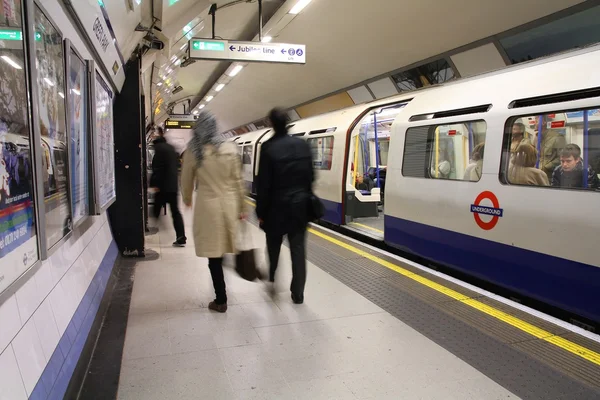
(209, 49)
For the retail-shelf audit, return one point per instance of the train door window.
(51, 86)
(559, 149)
(18, 248)
(451, 151)
(322, 152)
(369, 149)
(247, 155)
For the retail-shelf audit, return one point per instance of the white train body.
(536, 241)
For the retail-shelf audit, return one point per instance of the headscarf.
(205, 133)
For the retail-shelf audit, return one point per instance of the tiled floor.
(337, 345)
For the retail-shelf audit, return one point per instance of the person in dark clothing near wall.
(569, 174)
(165, 180)
(284, 188)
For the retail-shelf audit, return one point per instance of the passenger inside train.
(570, 174)
(523, 170)
(473, 171)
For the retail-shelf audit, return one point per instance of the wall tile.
(44, 280)
(60, 307)
(30, 355)
(28, 299)
(46, 327)
(10, 321)
(11, 384)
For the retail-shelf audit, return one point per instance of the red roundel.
(495, 212)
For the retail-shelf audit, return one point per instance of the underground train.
(432, 173)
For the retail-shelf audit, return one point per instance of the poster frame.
(94, 74)
(45, 251)
(68, 47)
(27, 22)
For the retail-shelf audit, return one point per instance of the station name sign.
(231, 50)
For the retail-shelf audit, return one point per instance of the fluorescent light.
(209, 98)
(11, 62)
(236, 70)
(173, 58)
(183, 47)
(49, 82)
(195, 112)
(299, 6)
(266, 39)
(220, 87)
(201, 106)
(159, 84)
(178, 62)
(77, 92)
(61, 94)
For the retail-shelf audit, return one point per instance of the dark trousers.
(298, 250)
(216, 272)
(171, 199)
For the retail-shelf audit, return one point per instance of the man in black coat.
(165, 180)
(284, 187)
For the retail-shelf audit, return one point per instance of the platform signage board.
(231, 50)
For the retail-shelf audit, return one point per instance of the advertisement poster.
(18, 242)
(51, 103)
(104, 145)
(78, 138)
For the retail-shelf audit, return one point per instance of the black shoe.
(297, 299)
(180, 242)
(217, 307)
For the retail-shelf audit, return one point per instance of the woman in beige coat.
(213, 167)
(523, 170)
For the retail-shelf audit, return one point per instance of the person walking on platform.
(165, 180)
(214, 168)
(284, 189)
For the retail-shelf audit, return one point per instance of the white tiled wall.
(35, 317)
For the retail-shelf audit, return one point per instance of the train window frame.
(503, 173)
(430, 154)
(320, 167)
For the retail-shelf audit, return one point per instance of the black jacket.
(574, 178)
(284, 184)
(164, 167)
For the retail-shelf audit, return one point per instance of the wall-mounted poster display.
(78, 133)
(104, 145)
(18, 241)
(51, 106)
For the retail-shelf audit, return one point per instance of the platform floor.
(413, 344)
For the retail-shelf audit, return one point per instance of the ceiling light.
(61, 94)
(220, 87)
(178, 62)
(299, 6)
(201, 106)
(49, 82)
(195, 112)
(11, 62)
(266, 39)
(183, 47)
(209, 98)
(236, 70)
(173, 58)
(77, 92)
(159, 84)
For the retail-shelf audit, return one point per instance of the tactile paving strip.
(503, 353)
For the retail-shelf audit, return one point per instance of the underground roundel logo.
(494, 212)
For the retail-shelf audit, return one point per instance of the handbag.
(316, 210)
(245, 260)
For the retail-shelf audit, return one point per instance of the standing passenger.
(284, 187)
(165, 179)
(551, 145)
(214, 167)
(473, 170)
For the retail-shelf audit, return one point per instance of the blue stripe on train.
(566, 284)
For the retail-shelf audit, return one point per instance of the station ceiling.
(347, 42)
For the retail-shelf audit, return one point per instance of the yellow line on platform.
(518, 323)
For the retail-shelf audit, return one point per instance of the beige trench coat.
(220, 198)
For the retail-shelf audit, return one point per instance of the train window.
(559, 149)
(51, 86)
(18, 248)
(451, 151)
(369, 148)
(247, 155)
(322, 152)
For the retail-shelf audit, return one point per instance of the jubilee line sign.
(231, 50)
